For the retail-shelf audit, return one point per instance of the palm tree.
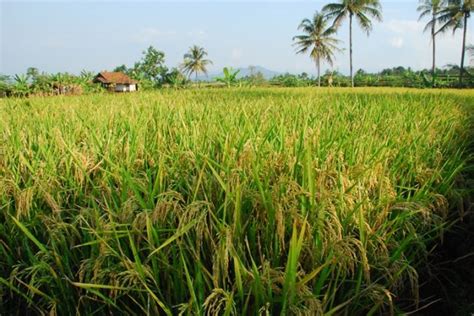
(318, 40)
(195, 62)
(361, 10)
(455, 16)
(431, 8)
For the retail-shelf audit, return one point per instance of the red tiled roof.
(114, 77)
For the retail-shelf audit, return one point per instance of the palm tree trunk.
(350, 48)
(433, 36)
(463, 49)
(319, 71)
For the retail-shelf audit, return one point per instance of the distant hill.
(246, 71)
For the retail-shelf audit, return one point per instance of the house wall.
(125, 87)
(121, 88)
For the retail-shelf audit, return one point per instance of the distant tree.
(455, 16)
(151, 66)
(255, 79)
(291, 80)
(361, 10)
(230, 76)
(61, 79)
(386, 72)
(21, 87)
(431, 9)
(252, 70)
(32, 73)
(303, 76)
(175, 78)
(122, 68)
(85, 80)
(400, 70)
(41, 83)
(4, 85)
(86, 76)
(318, 40)
(195, 61)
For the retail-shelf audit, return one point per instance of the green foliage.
(290, 80)
(406, 77)
(21, 86)
(124, 69)
(151, 67)
(4, 85)
(176, 79)
(230, 77)
(254, 78)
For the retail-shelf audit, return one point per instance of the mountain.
(244, 71)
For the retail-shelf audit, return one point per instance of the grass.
(228, 201)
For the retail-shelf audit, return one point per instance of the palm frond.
(317, 38)
(364, 22)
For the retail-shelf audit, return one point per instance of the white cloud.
(197, 34)
(397, 42)
(404, 26)
(237, 54)
(150, 34)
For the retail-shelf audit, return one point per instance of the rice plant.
(226, 201)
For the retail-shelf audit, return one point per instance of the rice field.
(227, 201)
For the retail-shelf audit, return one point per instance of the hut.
(116, 81)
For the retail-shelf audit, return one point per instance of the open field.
(227, 201)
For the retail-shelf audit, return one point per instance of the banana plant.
(175, 79)
(5, 85)
(21, 87)
(86, 76)
(230, 76)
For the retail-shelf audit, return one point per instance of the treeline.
(39, 83)
(34, 83)
(152, 73)
(447, 77)
(318, 37)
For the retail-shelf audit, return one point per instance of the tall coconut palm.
(455, 16)
(361, 10)
(195, 62)
(317, 40)
(431, 8)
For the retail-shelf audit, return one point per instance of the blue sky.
(99, 35)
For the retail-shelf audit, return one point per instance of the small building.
(116, 81)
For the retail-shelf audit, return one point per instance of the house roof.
(114, 77)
